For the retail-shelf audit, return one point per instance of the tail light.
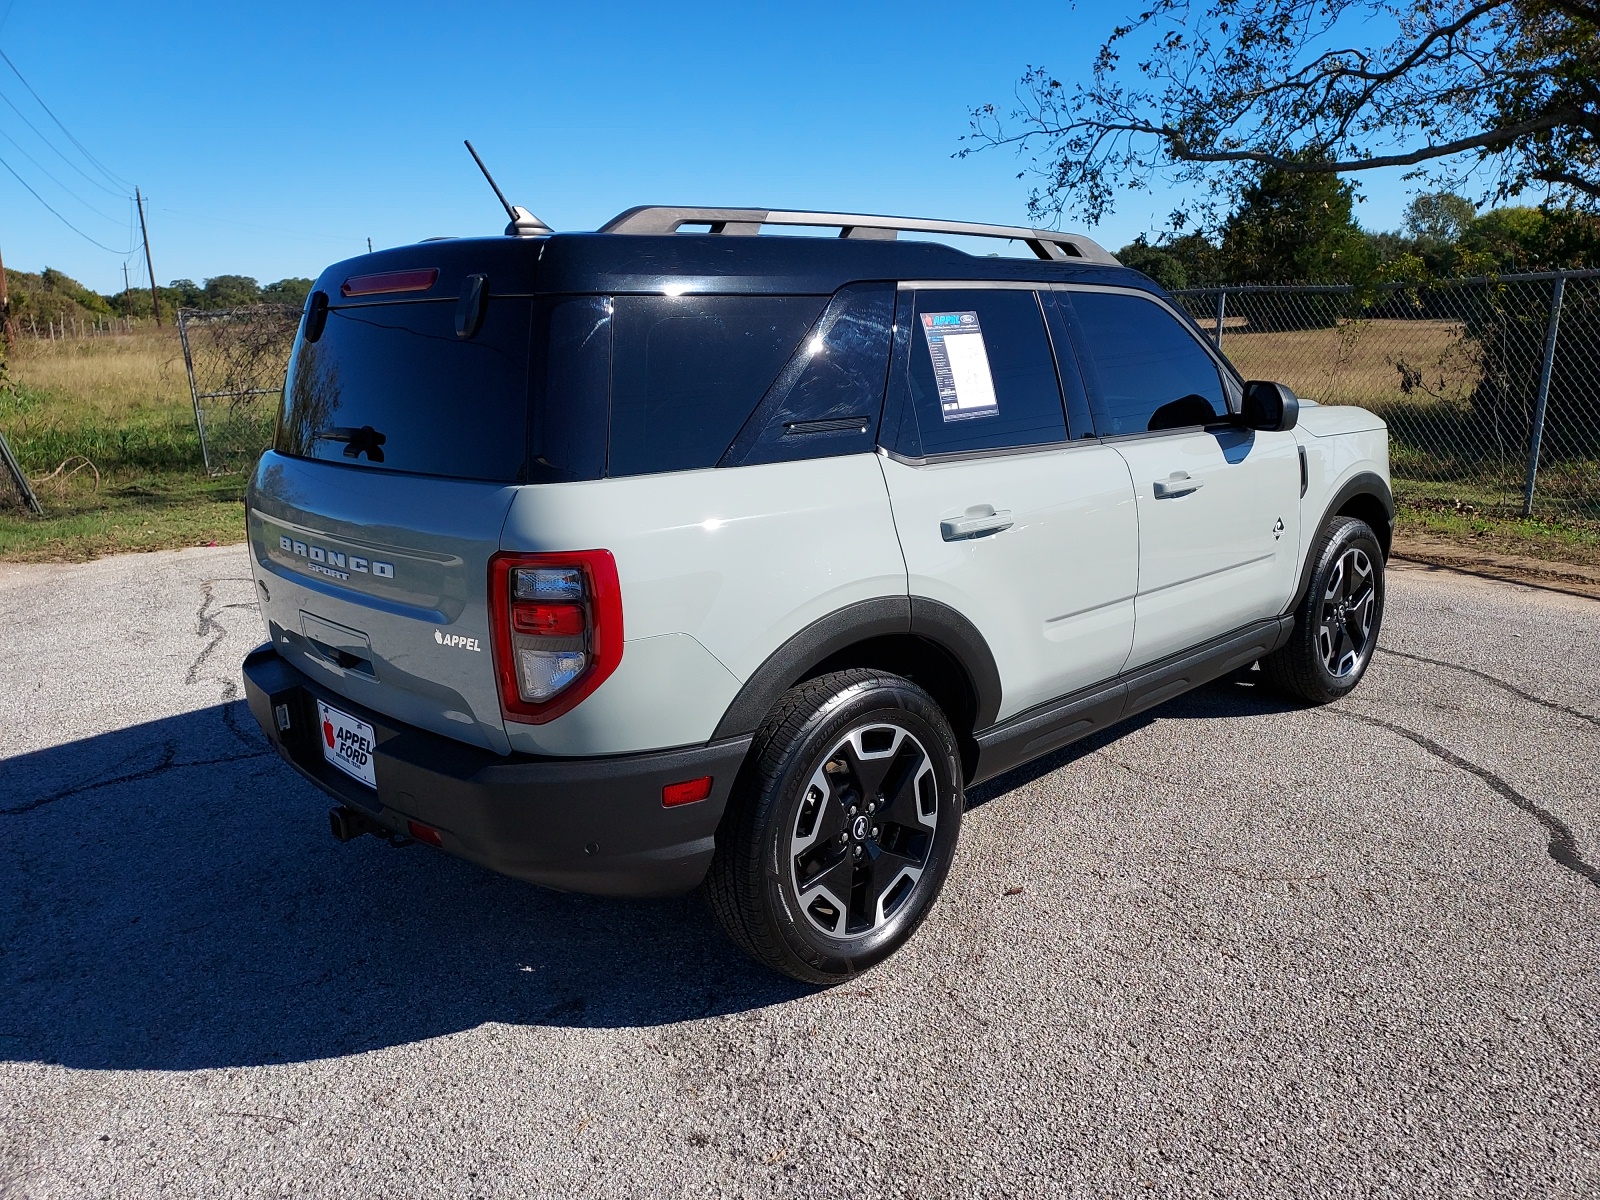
(557, 621)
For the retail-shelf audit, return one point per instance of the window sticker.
(960, 365)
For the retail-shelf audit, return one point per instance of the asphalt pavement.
(1233, 948)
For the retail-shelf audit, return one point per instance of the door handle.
(978, 521)
(1177, 484)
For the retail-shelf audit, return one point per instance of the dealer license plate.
(348, 744)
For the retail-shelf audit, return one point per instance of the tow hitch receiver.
(348, 824)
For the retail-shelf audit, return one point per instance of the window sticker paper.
(960, 365)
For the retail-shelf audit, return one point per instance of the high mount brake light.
(557, 622)
(419, 280)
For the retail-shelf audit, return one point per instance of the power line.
(59, 217)
(54, 180)
(24, 118)
(233, 224)
(101, 167)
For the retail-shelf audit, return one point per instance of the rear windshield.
(392, 387)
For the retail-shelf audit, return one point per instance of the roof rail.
(655, 218)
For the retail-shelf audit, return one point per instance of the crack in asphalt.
(1499, 683)
(205, 626)
(169, 755)
(1563, 845)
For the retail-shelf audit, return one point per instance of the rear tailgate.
(401, 441)
(375, 584)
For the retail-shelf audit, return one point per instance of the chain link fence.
(1490, 387)
(236, 360)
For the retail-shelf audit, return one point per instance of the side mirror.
(1269, 406)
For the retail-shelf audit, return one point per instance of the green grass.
(152, 513)
(1489, 519)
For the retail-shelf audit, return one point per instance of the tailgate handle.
(347, 649)
(978, 521)
(341, 658)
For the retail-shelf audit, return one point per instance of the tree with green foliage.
(1439, 218)
(1294, 228)
(1163, 266)
(287, 291)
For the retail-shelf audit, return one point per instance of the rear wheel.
(842, 828)
(1336, 623)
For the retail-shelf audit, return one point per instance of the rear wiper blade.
(365, 440)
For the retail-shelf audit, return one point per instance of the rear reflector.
(423, 833)
(550, 620)
(687, 792)
(390, 281)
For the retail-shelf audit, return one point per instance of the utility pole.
(155, 296)
(127, 297)
(369, 245)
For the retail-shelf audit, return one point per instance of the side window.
(981, 374)
(571, 388)
(828, 398)
(1145, 370)
(687, 371)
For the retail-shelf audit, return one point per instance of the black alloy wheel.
(1336, 622)
(1349, 610)
(864, 830)
(841, 828)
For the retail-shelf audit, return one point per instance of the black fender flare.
(859, 622)
(1365, 483)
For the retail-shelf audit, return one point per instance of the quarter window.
(687, 372)
(1145, 370)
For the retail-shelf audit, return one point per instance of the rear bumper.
(577, 824)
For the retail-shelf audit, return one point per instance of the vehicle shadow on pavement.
(173, 900)
(1240, 695)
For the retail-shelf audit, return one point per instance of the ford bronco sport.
(682, 553)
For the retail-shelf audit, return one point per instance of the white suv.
(675, 553)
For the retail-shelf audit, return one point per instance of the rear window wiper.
(365, 440)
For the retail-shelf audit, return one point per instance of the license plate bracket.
(349, 743)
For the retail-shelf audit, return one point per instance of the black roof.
(705, 263)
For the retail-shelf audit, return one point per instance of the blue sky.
(274, 139)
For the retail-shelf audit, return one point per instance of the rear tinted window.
(981, 372)
(687, 372)
(828, 398)
(391, 386)
(1146, 371)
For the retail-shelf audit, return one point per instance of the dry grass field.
(1359, 361)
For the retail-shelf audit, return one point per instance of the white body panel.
(735, 562)
(1216, 558)
(1340, 442)
(1053, 593)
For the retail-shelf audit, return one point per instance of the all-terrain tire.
(1336, 622)
(841, 828)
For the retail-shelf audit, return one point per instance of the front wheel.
(843, 826)
(1336, 623)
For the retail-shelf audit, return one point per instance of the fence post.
(194, 392)
(1542, 401)
(1222, 311)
